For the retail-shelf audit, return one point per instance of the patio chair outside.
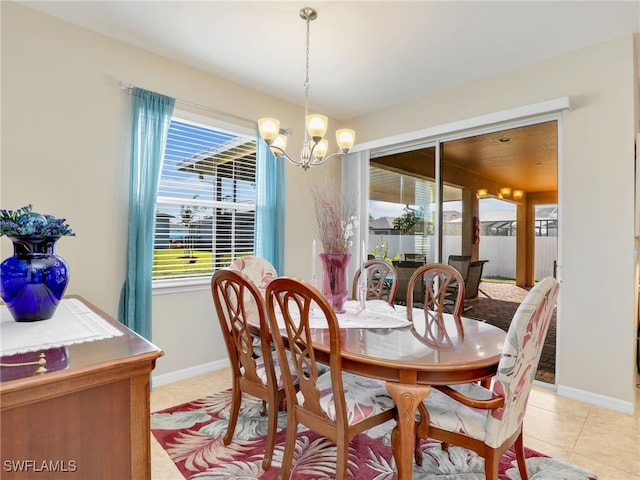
(474, 277)
(405, 269)
(460, 263)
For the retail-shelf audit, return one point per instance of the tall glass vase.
(34, 279)
(334, 279)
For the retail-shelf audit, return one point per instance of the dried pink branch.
(336, 219)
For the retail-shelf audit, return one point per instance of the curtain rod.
(128, 87)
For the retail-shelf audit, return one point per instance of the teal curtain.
(269, 231)
(151, 115)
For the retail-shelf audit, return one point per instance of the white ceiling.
(365, 55)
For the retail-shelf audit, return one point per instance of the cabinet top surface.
(71, 360)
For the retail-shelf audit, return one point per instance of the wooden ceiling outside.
(527, 161)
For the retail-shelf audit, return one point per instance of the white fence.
(500, 251)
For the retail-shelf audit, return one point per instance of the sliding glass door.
(425, 200)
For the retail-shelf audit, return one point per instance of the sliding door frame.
(550, 110)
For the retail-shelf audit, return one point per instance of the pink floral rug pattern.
(192, 433)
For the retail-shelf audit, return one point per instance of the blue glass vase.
(34, 279)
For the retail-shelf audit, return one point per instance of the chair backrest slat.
(237, 299)
(382, 281)
(443, 289)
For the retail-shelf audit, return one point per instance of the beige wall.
(65, 138)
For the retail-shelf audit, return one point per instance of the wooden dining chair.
(489, 421)
(382, 281)
(338, 405)
(237, 299)
(443, 288)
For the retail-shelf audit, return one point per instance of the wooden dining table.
(433, 350)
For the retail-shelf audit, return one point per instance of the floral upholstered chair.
(259, 270)
(236, 299)
(490, 421)
(337, 404)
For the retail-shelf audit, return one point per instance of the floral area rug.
(192, 434)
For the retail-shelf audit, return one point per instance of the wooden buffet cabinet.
(87, 417)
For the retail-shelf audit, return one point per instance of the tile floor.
(601, 440)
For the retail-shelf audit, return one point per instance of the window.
(205, 214)
(401, 212)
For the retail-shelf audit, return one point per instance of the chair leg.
(422, 431)
(491, 465)
(522, 466)
(236, 399)
(289, 447)
(272, 425)
(417, 451)
(342, 460)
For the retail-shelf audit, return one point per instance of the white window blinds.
(205, 213)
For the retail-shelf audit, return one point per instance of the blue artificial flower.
(25, 221)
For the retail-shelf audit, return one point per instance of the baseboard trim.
(183, 374)
(541, 384)
(596, 399)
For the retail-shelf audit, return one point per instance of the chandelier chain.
(306, 79)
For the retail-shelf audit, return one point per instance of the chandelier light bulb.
(345, 139)
(279, 145)
(317, 126)
(269, 129)
(320, 150)
(505, 191)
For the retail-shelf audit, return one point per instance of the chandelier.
(314, 147)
